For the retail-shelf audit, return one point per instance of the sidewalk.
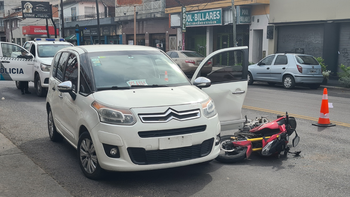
(334, 83)
(20, 176)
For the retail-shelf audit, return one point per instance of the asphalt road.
(321, 170)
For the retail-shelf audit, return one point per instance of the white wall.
(260, 23)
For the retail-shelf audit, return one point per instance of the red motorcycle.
(260, 135)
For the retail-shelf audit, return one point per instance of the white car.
(131, 108)
(43, 50)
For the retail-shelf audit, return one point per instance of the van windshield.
(49, 50)
(134, 69)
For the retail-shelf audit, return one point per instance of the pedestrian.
(23, 85)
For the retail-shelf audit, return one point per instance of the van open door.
(16, 63)
(228, 84)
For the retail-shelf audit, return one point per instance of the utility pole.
(62, 20)
(234, 28)
(98, 23)
(134, 24)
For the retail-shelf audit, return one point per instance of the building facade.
(311, 27)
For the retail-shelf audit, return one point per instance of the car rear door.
(13, 66)
(229, 85)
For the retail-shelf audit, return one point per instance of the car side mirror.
(202, 82)
(67, 86)
(29, 56)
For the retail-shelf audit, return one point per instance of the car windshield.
(306, 59)
(134, 69)
(49, 50)
(192, 54)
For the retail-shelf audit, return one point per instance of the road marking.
(294, 115)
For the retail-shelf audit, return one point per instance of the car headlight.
(208, 108)
(45, 67)
(110, 115)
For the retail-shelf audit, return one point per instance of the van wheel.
(288, 82)
(17, 85)
(87, 157)
(40, 91)
(250, 79)
(54, 135)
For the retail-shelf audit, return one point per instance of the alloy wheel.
(88, 156)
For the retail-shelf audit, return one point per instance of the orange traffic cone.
(166, 76)
(323, 121)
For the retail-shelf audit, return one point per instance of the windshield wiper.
(113, 88)
(147, 86)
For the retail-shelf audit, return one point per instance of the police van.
(43, 51)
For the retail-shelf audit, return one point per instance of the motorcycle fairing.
(247, 144)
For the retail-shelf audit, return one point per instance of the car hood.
(46, 61)
(150, 97)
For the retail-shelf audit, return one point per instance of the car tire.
(17, 85)
(250, 79)
(54, 135)
(288, 82)
(40, 91)
(88, 161)
(314, 86)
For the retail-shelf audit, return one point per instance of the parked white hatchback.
(131, 108)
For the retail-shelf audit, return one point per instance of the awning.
(71, 37)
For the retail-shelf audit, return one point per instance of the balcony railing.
(145, 8)
(84, 17)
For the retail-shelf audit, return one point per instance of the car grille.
(142, 157)
(172, 132)
(170, 114)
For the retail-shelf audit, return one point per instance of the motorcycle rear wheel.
(228, 152)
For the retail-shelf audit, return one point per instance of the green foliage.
(345, 75)
(321, 62)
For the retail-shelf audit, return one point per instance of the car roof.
(181, 51)
(292, 54)
(110, 47)
(49, 42)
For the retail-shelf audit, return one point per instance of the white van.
(131, 108)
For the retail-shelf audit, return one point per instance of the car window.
(127, 68)
(55, 64)
(306, 59)
(10, 50)
(281, 60)
(174, 55)
(86, 78)
(192, 54)
(62, 65)
(49, 50)
(27, 45)
(71, 71)
(32, 50)
(267, 60)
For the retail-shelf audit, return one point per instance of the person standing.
(23, 85)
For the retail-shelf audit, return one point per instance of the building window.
(1, 5)
(89, 12)
(19, 41)
(74, 13)
(1, 23)
(23, 40)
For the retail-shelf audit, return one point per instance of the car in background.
(290, 69)
(188, 61)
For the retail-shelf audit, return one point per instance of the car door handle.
(268, 68)
(239, 92)
(284, 68)
(5, 61)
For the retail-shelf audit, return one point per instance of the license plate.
(312, 71)
(175, 142)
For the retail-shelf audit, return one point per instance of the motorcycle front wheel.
(230, 153)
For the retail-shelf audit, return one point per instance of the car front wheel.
(250, 79)
(87, 157)
(40, 91)
(288, 82)
(54, 135)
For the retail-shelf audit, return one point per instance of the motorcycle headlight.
(45, 67)
(209, 108)
(120, 116)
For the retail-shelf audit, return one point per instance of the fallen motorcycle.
(259, 135)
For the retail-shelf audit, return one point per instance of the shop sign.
(32, 9)
(38, 30)
(243, 15)
(128, 2)
(106, 31)
(204, 18)
(183, 17)
(90, 32)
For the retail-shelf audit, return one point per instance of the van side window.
(55, 64)
(62, 66)
(71, 72)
